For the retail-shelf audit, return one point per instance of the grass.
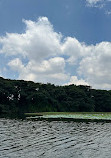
(71, 115)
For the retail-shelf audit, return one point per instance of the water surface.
(56, 139)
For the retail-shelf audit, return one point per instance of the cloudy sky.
(56, 41)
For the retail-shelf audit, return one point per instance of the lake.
(56, 139)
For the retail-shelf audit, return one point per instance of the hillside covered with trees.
(18, 97)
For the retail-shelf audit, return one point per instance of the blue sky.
(70, 17)
(57, 41)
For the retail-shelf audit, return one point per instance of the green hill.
(18, 97)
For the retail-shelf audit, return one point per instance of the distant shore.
(70, 116)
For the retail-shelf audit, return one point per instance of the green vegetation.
(86, 116)
(70, 116)
(18, 97)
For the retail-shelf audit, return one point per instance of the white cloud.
(73, 48)
(16, 64)
(42, 47)
(48, 55)
(99, 4)
(51, 70)
(93, 1)
(38, 42)
(74, 80)
(96, 3)
(96, 66)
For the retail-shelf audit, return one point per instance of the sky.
(56, 41)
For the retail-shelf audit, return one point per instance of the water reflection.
(44, 139)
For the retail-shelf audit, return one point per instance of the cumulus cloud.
(43, 48)
(48, 56)
(74, 80)
(16, 64)
(38, 42)
(96, 67)
(51, 70)
(74, 49)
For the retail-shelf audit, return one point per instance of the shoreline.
(69, 119)
(70, 116)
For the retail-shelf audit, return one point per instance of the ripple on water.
(44, 139)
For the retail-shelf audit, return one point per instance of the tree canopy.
(18, 97)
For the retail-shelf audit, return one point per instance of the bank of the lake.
(70, 116)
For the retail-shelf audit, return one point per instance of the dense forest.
(19, 96)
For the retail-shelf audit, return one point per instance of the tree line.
(18, 97)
